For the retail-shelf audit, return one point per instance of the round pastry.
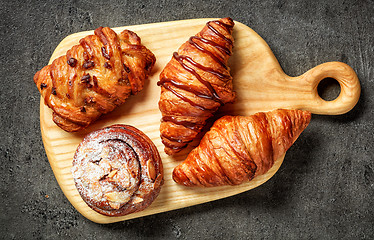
(117, 170)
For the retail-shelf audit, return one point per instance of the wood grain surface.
(259, 81)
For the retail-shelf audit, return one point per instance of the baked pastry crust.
(117, 170)
(94, 77)
(237, 148)
(195, 83)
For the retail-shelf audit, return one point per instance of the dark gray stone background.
(324, 189)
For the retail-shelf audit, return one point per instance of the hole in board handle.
(328, 89)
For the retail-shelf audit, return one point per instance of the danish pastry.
(117, 170)
(94, 77)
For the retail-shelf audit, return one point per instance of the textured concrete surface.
(325, 187)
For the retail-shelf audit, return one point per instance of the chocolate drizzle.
(192, 67)
(206, 41)
(182, 59)
(168, 85)
(224, 25)
(177, 121)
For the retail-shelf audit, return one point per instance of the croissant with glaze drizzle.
(94, 77)
(195, 83)
(236, 148)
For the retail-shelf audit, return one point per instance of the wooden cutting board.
(259, 81)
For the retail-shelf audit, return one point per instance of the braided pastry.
(117, 170)
(94, 77)
(195, 83)
(236, 148)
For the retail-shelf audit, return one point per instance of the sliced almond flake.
(114, 205)
(151, 170)
(137, 200)
(118, 197)
(112, 173)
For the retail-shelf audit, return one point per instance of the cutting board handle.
(349, 88)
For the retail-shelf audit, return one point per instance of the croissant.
(117, 170)
(195, 83)
(237, 148)
(94, 77)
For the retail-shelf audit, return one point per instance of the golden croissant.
(195, 83)
(94, 77)
(237, 148)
